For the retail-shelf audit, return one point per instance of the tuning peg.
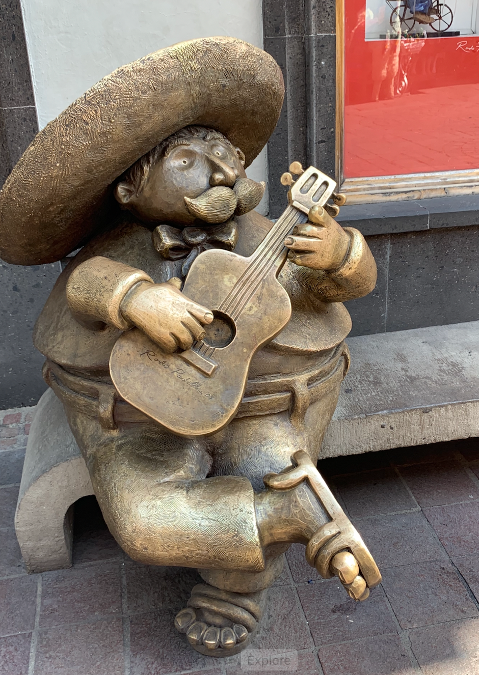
(332, 209)
(339, 198)
(286, 179)
(296, 168)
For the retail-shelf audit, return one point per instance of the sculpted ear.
(124, 191)
(240, 155)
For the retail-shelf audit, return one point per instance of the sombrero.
(56, 196)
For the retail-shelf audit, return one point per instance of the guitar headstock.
(312, 188)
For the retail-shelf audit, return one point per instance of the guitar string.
(257, 258)
(257, 270)
(254, 286)
(269, 262)
(199, 346)
(257, 267)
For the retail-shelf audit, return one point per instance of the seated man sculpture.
(146, 173)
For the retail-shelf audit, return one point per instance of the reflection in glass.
(411, 90)
(388, 18)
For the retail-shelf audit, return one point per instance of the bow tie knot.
(174, 244)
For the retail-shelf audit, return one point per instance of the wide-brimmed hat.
(59, 193)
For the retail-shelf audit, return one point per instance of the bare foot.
(220, 623)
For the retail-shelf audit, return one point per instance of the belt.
(263, 395)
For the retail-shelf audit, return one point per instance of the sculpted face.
(190, 169)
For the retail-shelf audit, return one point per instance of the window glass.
(411, 86)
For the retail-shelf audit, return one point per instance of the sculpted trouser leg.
(222, 614)
(257, 445)
(159, 505)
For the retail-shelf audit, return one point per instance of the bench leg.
(44, 517)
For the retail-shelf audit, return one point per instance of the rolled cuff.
(96, 289)
(359, 265)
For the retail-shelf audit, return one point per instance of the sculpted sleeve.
(96, 288)
(355, 278)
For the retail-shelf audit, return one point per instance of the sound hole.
(220, 332)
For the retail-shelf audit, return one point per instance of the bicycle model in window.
(406, 13)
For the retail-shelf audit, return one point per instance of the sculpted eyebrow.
(175, 144)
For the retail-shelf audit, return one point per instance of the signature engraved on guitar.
(178, 372)
(250, 308)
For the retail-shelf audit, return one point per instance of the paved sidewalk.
(417, 509)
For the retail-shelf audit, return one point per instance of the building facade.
(385, 105)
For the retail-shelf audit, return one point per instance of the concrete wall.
(426, 253)
(72, 45)
(69, 46)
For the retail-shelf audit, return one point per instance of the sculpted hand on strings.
(320, 244)
(168, 317)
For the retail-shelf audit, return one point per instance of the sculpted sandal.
(220, 623)
(336, 548)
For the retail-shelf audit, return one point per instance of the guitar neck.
(272, 248)
(269, 257)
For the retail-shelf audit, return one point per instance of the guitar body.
(198, 392)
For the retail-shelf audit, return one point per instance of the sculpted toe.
(211, 638)
(227, 638)
(240, 632)
(184, 619)
(196, 632)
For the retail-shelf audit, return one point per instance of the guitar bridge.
(203, 364)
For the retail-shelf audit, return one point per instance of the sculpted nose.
(222, 174)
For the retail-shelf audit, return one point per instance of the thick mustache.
(218, 204)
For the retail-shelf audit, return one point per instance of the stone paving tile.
(157, 647)
(333, 617)
(283, 626)
(284, 577)
(301, 571)
(468, 569)
(474, 468)
(8, 505)
(456, 526)
(372, 655)
(11, 562)
(92, 540)
(18, 600)
(427, 593)
(449, 648)
(11, 464)
(439, 483)
(94, 648)
(400, 539)
(150, 587)
(15, 654)
(80, 594)
(373, 493)
(217, 669)
(249, 662)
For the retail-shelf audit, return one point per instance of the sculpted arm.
(335, 263)
(102, 291)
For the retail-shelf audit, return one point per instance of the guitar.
(198, 391)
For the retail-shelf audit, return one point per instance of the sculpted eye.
(182, 158)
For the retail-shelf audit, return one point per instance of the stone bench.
(404, 389)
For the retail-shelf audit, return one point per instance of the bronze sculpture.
(147, 173)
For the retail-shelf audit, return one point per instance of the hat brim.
(56, 196)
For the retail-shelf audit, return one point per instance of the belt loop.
(300, 401)
(106, 403)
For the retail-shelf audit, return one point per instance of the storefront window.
(411, 87)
